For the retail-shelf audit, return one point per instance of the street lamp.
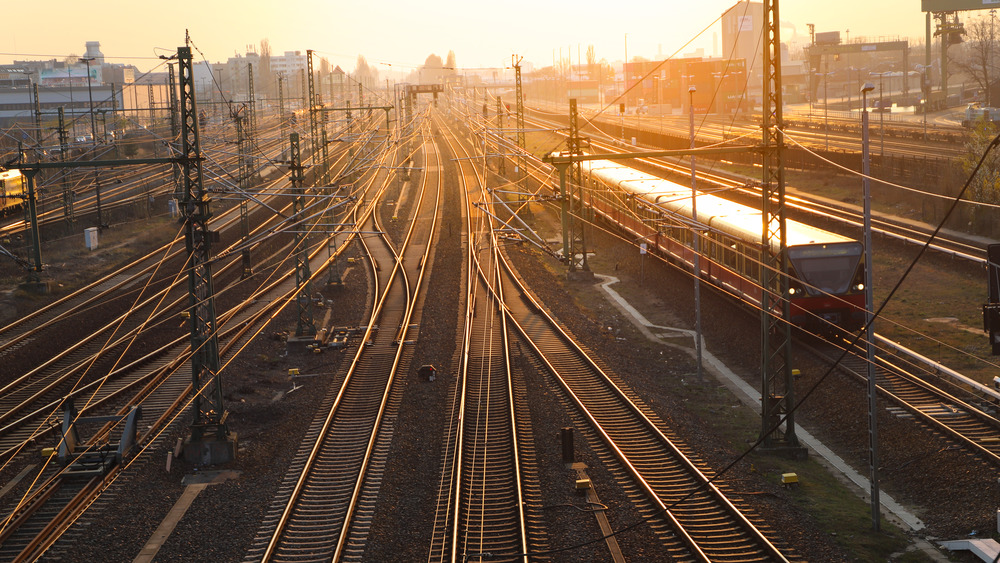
(93, 143)
(925, 92)
(881, 112)
(869, 307)
(695, 247)
(826, 105)
(850, 100)
(90, 93)
(624, 75)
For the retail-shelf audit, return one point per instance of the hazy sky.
(402, 34)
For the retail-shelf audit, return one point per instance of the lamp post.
(881, 112)
(924, 93)
(826, 105)
(869, 307)
(93, 144)
(624, 75)
(850, 100)
(90, 94)
(695, 247)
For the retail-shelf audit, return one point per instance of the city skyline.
(397, 37)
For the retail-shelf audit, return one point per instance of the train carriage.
(826, 269)
(11, 191)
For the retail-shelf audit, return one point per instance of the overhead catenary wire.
(812, 389)
(886, 182)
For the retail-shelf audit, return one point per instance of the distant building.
(289, 64)
(107, 89)
(14, 76)
(233, 76)
(94, 52)
(73, 73)
(720, 85)
(741, 38)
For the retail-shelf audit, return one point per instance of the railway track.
(319, 511)
(961, 413)
(80, 366)
(849, 217)
(703, 523)
(163, 389)
(482, 502)
(949, 404)
(842, 135)
(690, 514)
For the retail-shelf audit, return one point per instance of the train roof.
(718, 213)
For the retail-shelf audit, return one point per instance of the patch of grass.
(838, 511)
(842, 514)
(68, 265)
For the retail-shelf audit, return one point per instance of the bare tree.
(985, 187)
(977, 58)
(364, 73)
(266, 76)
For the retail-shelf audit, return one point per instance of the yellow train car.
(11, 191)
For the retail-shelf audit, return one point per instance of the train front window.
(826, 268)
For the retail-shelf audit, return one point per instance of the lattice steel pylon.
(520, 100)
(777, 389)
(175, 131)
(281, 107)
(38, 115)
(209, 415)
(311, 98)
(574, 196)
(151, 98)
(303, 299)
(243, 179)
(67, 193)
(251, 125)
(519, 125)
(501, 139)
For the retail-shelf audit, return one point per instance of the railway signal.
(991, 310)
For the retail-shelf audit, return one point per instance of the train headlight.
(860, 287)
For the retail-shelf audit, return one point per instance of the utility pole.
(38, 116)
(281, 107)
(304, 329)
(210, 441)
(175, 131)
(573, 208)
(519, 103)
(313, 126)
(243, 179)
(34, 275)
(152, 111)
(500, 136)
(695, 241)
(63, 148)
(777, 389)
(252, 105)
(303, 91)
(869, 313)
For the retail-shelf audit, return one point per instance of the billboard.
(957, 5)
(828, 38)
(75, 75)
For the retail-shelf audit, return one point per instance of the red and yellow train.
(826, 288)
(11, 191)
